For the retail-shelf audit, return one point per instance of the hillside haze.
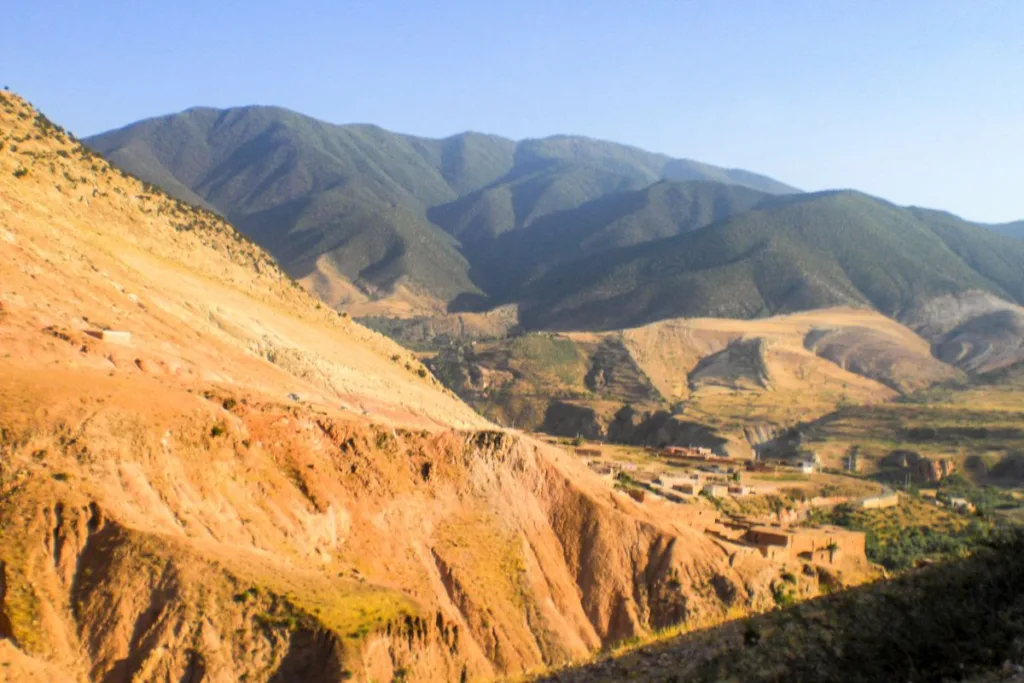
(392, 214)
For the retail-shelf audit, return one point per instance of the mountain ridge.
(791, 253)
(563, 227)
(361, 196)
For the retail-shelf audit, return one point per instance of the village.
(686, 475)
(677, 473)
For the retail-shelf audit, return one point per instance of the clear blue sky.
(917, 101)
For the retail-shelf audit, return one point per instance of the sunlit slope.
(735, 375)
(207, 473)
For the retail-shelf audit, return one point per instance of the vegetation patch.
(913, 533)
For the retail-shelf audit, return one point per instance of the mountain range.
(578, 233)
(794, 253)
(390, 213)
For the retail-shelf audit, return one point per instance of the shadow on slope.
(953, 621)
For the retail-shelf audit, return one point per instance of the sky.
(917, 101)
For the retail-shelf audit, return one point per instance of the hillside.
(742, 381)
(789, 254)
(323, 199)
(360, 204)
(975, 331)
(1015, 229)
(667, 208)
(205, 473)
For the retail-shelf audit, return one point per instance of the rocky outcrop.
(628, 425)
(564, 418)
(932, 471)
(920, 468)
(6, 631)
(975, 331)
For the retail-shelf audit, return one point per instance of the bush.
(783, 596)
(21, 171)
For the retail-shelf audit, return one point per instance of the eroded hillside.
(728, 384)
(205, 473)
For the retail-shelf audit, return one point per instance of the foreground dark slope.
(962, 621)
(353, 201)
(793, 253)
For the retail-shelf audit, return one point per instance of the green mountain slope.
(370, 204)
(561, 173)
(1015, 229)
(789, 254)
(622, 219)
(354, 195)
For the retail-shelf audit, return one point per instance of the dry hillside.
(252, 487)
(785, 369)
(744, 379)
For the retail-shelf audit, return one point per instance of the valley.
(207, 472)
(475, 409)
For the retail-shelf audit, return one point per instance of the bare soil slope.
(738, 374)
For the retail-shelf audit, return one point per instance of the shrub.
(783, 596)
(20, 172)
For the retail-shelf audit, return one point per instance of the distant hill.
(564, 172)
(620, 219)
(743, 380)
(1011, 229)
(319, 197)
(385, 211)
(789, 254)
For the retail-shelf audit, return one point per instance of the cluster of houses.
(955, 502)
(887, 500)
(689, 452)
(807, 464)
(712, 475)
(715, 485)
(823, 545)
(720, 477)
